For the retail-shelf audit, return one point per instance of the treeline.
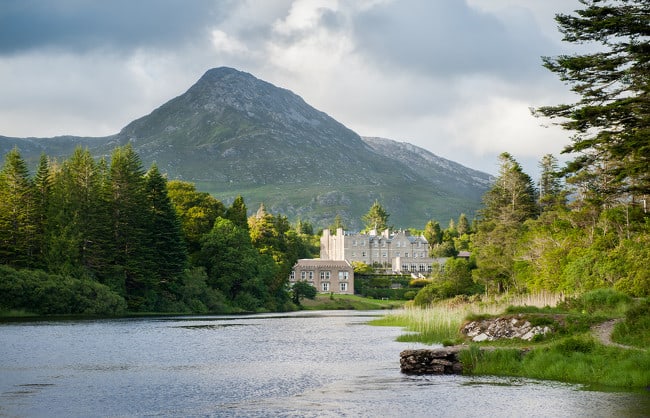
(86, 236)
(556, 237)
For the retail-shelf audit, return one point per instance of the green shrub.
(575, 345)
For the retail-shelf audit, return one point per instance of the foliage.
(452, 279)
(301, 289)
(611, 120)
(376, 218)
(509, 203)
(635, 329)
(47, 294)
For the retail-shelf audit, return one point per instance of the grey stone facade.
(397, 252)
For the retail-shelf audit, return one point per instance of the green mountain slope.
(232, 133)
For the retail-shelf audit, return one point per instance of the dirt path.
(603, 332)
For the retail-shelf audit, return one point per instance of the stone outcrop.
(431, 361)
(503, 327)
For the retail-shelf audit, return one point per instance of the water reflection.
(297, 364)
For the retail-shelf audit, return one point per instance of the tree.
(551, 192)
(509, 203)
(433, 233)
(237, 213)
(512, 198)
(166, 240)
(42, 196)
(129, 214)
(611, 121)
(17, 212)
(338, 223)
(301, 289)
(197, 212)
(376, 218)
(463, 226)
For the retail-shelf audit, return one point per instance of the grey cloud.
(81, 25)
(447, 37)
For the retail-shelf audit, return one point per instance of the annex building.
(328, 276)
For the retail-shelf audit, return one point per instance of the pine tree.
(611, 120)
(42, 196)
(130, 218)
(510, 202)
(376, 218)
(17, 213)
(237, 213)
(76, 234)
(550, 187)
(167, 246)
(463, 225)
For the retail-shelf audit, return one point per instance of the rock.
(503, 327)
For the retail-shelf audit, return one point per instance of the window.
(292, 277)
(325, 286)
(423, 268)
(406, 255)
(303, 275)
(343, 275)
(415, 255)
(354, 243)
(310, 275)
(325, 275)
(397, 254)
(363, 253)
(344, 287)
(383, 254)
(354, 253)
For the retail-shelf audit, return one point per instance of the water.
(325, 364)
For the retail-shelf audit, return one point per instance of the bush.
(48, 294)
(575, 345)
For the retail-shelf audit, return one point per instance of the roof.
(319, 263)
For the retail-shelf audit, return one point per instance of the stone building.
(329, 276)
(396, 252)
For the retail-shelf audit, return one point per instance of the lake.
(303, 364)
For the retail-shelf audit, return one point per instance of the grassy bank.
(569, 354)
(348, 302)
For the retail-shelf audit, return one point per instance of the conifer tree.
(237, 213)
(42, 196)
(167, 246)
(133, 259)
(611, 121)
(376, 218)
(17, 212)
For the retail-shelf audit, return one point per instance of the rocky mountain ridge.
(232, 133)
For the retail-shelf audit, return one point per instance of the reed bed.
(440, 322)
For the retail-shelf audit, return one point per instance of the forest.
(88, 237)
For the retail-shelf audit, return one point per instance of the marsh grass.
(440, 323)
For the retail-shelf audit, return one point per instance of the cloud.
(455, 77)
(446, 38)
(84, 25)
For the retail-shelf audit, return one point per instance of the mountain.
(232, 133)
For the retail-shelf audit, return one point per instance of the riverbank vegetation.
(570, 353)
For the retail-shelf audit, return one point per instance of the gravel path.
(603, 332)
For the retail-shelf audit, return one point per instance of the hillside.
(232, 133)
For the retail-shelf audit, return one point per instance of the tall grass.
(576, 360)
(440, 322)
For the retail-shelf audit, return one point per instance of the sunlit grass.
(440, 322)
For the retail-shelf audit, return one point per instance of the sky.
(455, 77)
